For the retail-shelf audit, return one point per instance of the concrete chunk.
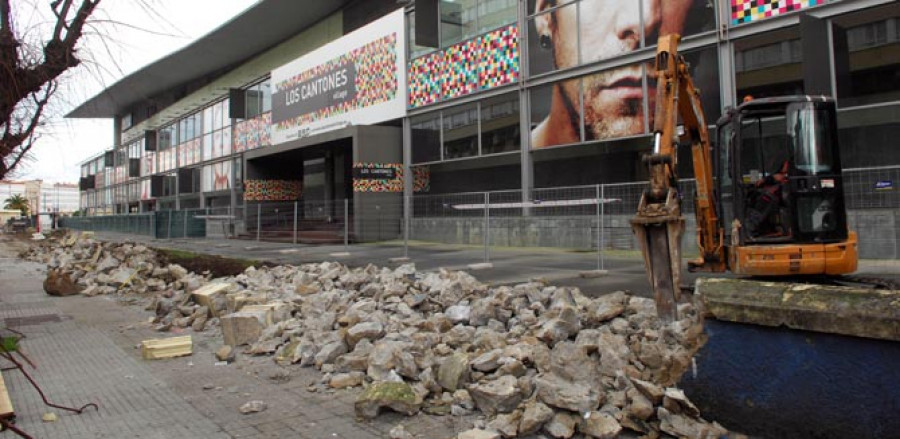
(243, 327)
(207, 294)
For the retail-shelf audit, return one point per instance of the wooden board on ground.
(207, 294)
(159, 348)
(6, 408)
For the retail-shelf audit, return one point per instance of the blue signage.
(884, 185)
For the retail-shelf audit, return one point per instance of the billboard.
(614, 103)
(355, 80)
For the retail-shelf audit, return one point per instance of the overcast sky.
(142, 37)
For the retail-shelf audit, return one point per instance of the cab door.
(725, 177)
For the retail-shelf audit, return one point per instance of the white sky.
(140, 37)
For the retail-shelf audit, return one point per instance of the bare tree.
(30, 72)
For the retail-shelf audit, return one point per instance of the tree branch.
(61, 17)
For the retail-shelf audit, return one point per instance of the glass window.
(769, 65)
(764, 146)
(458, 21)
(613, 103)
(217, 116)
(704, 67)
(426, 138)
(495, 13)
(559, 122)
(266, 92)
(810, 132)
(259, 99)
(208, 147)
(226, 141)
(238, 174)
(208, 119)
(500, 124)
(606, 29)
(543, 40)
(868, 137)
(414, 49)
(867, 56)
(135, 148)
(166, 137)
(461, 131)
(685, 17)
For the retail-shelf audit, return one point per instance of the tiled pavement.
(84, 349)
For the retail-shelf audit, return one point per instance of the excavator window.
(764, 150)
(809, 129)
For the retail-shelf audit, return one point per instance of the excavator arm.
(659, 224)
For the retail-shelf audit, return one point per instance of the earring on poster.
(545, 41)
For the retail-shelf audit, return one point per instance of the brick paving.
(85, 351)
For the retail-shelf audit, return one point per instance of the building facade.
(369, 100)
(43, 197)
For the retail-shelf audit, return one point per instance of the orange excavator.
(769, 199)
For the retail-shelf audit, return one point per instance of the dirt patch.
(200, 263)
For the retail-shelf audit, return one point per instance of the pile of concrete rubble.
(533, 358)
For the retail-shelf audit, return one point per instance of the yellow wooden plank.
(6, 408)
(155, 349)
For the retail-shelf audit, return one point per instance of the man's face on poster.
(613, 99)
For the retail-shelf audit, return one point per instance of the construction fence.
(586, 218)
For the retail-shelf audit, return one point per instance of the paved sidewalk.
(77, 365)
(85, 351)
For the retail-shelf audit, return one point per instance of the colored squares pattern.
(487, 61)
(272, 190)
(375, 185)
(253, 133)
(421, 179)
(746, 11)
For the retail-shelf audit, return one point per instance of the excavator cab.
(780, 188)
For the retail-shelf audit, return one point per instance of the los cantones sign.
(357, 79)
(325, 90)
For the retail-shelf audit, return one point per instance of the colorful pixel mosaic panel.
(272, 190)
(746, 11)
(374, 185)
(425, 79)
(499, 60)
(421, 179)
(485, 62)
(376, 80)
(252, 133)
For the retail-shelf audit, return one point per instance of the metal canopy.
(260, 27)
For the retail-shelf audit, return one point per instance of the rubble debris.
(243, 327)
(399, 432)
(225, 353)
(479, 434)
(159, 348)
(255, 406)
(60, 283)
(535, 359)
(397, 396)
